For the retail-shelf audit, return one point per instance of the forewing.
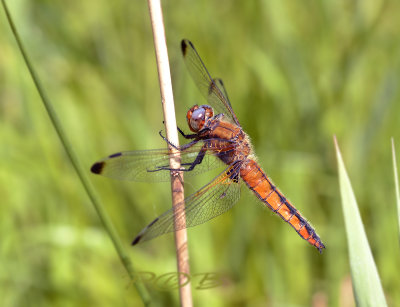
(207, 86)
(210, 201)
(140, 165)
(221, 86)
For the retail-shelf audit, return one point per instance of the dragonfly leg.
(192, 165)
(187, 136)
(198, 159)
(180, 148)
(166, 140)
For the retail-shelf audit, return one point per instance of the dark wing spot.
(97, 168)
(140, 235)
(137, 239)
(115, 155)
(184, 46)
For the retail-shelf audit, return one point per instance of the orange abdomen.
(259, 183)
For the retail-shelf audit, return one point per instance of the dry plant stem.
(81, 172)
(167, 99)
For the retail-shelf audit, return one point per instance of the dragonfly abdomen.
(264, 189)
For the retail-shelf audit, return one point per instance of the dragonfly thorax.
(197, 116)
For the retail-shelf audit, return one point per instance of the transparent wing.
(213, 199)
(140, 165)
(207, 86)
(221, 86)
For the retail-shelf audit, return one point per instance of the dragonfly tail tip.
(321, 247)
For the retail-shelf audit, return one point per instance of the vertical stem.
(167, 100)
(81, 172)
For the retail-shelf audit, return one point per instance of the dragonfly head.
(197, 116)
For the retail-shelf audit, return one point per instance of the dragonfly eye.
(198, 116)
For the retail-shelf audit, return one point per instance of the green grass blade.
(77, 166)
(366, 283)
(396, 186)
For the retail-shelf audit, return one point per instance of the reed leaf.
(367, 286)
(396, 185)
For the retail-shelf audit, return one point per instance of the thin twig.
(167, 99)
(108, 225)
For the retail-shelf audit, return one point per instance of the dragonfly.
(217, 139)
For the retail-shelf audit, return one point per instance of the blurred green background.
(297, 73)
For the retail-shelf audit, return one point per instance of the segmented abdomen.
(259, 183)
